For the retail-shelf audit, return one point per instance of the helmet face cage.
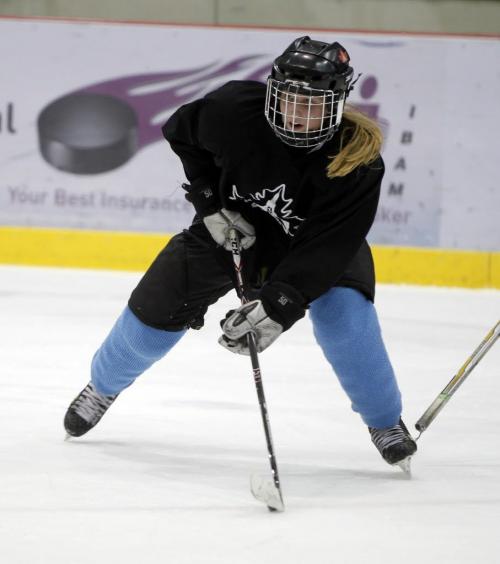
(302, 116)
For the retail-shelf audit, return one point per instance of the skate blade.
(405, 465)
(264, 489)
(68, 437)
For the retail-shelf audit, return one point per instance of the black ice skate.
(86, 410)
(395, 444)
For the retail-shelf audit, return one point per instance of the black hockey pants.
(190, 274)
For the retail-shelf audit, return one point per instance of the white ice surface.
(164, 478)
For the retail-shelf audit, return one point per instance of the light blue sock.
(346, 328)
(130, 348)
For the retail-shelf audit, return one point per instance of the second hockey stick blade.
(264, 489)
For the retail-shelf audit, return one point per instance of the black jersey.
(308, 227)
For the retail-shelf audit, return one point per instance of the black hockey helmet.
(306, 91)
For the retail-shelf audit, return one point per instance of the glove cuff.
(202, 193)
(282, 303)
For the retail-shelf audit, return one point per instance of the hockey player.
(299, 179)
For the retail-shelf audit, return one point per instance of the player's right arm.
(194, 132)
(186, 132)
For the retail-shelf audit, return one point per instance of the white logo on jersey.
(273, 202)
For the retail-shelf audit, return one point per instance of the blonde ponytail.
(363, 146)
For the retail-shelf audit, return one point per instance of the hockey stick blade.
(264, 489)
(405, 466)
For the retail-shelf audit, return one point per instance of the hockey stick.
(266, 490)
(437, 405)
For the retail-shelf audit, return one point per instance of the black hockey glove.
(203, 195)
(219, 224)
(277, 308)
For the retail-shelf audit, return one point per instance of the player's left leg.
(130, 348)
(347, 329)
(172, 296)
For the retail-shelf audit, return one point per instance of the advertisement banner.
(82, 104)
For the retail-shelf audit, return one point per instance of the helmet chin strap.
(316, 147)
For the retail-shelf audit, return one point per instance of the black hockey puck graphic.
(86, 133)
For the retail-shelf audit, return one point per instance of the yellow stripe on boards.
(135, 251)
(79, 249)
(495, 270)
(436, 267)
